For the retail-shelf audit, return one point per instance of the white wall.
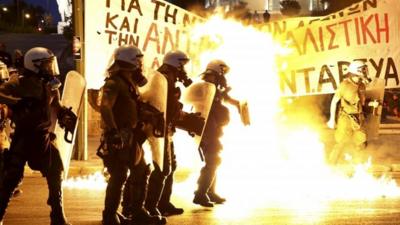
(257, 4)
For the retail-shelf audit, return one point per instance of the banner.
(155, 26)
(323, 47)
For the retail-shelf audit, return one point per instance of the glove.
(115, 140)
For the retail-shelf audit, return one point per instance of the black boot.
(155, 188)
(213, 196)
(113, 198)
(142, 216)
(203, 185)
(114, 218)
(200, 196)
(57, 216)
(127, 198)
(202, 199)
(138, 190)
(165, 206)
(4, 199)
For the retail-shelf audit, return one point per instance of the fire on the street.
(95, 181)
(272, 161)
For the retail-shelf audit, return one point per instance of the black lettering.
(169, 15)
(371, 3)
(391, 67)
(342, 67)
(135, 5)
(110, 35)
(284, 81)
(157, 8)
(109, 21)
(306, 73)
(378, 67)
(325, 70)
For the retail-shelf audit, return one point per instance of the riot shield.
(200, 96)
(375, 92)
(72, 96)
(155, 93)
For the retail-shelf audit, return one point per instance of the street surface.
(83, 207)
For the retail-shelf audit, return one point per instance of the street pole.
(82, 147)
(23, 18)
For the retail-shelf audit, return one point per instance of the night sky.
(52, 7)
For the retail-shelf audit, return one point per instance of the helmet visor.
(49, 66)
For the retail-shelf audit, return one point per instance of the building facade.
(273, 6)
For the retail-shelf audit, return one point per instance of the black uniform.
(119, 111)
(210, 144)
(32, 141)
(160, 183)
(211, 147)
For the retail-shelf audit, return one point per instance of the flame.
(275, 162)
(95, 181)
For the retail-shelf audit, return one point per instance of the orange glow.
(272, 162)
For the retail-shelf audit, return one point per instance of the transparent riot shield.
(155, 93)
(72, 96)
(200, 96)
(375, 92)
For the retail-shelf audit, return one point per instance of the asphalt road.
(83, 207)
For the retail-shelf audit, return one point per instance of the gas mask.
(221, 82)
(54, 83)
(138, 78)
(182, 77)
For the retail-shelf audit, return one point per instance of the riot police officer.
(30, 98)
(158, 201)
(210, 145)
(121, 145)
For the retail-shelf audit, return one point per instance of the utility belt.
(106, 148)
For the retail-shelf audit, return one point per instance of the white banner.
(155, 26)
(323, 47)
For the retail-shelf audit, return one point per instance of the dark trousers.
(161, 182)
(14, 171)
(1, 168)
(135, 189)
(118, 166)
(207, 179)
